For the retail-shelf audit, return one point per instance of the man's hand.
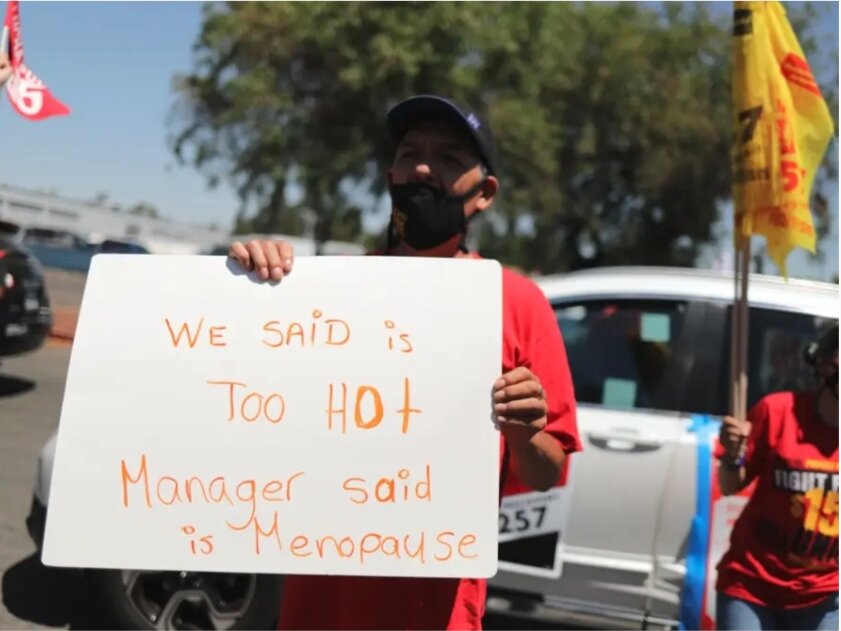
(5, 69)
(520, 404)
(520, 408)
(271, 259)
(733, 435)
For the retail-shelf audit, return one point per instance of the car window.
(777, 342)
(623, 354)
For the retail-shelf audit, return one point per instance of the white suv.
(649, 349)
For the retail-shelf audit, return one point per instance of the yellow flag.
(781, 130)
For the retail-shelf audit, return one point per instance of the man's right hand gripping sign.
(443, 174)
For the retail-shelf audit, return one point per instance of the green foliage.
(613, 119)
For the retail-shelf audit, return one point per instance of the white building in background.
(94, 222)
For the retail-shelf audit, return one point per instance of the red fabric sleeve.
(547, 358)
(758, 444)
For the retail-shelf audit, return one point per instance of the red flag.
(27, 93)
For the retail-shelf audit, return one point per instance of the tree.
(613, 119)
(290, 93)
(630, 120)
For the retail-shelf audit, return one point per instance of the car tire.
(186, 600)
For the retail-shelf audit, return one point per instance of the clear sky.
(112, 64)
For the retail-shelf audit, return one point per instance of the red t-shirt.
(530, 338)
(784, 546)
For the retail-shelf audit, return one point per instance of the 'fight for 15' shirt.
(784, 546)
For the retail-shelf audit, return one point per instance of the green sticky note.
(619, 393)
(655, 327)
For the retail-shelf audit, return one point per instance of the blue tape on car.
(692, 595)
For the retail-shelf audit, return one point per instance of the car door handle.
(624, 441)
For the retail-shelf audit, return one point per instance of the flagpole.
(742, 337)
(735, 327)
(739, 329)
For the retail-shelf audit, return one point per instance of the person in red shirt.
(444, 172)
(781, 570)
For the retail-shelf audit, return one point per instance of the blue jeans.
(733, 614)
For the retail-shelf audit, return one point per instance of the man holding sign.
(445, 172)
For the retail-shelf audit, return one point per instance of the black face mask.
(424, 216)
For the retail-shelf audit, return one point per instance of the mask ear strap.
(462, 245)
(390, 241)
(473, 190)
(463, 198)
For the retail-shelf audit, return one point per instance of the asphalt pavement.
(33, 596)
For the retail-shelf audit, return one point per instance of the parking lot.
(31, 389)
(33, 596)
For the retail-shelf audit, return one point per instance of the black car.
(25, 315)
(114, 246)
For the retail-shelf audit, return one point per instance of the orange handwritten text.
(406, 345)
(215, 334)
(387, 490)
(376, 417)
(330, 332)
(273, 530)
(442, 547)
(247, 494)
(368, 408)
(254, 405)
(206, 541)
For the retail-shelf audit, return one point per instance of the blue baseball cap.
(402, 116)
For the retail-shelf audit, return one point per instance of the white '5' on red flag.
(27, 93)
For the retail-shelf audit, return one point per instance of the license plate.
(530, 514)
(15, 329)
(31, 304)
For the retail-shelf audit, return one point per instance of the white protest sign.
(725, 512)
(339, 422)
